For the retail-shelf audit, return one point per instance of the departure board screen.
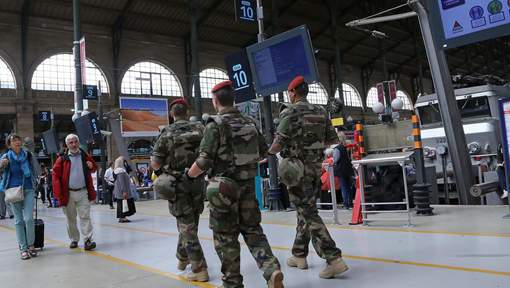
(275, 62)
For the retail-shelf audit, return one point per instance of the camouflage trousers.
(309, 223)
(239, 214)
(187, 209)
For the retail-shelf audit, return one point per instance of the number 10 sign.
(246, 10)
(239, 73)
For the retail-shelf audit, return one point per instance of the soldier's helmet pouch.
(221, 193)
(166, 187)
(291, 171)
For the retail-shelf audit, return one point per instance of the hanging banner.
(393, 89)
(380, 93)
(83, 63)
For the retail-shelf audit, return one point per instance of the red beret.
(221, 85)
(296, 82)
(179, 101)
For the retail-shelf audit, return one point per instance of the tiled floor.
(459, 247)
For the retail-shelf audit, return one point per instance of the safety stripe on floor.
(125, 262)
(347, 256)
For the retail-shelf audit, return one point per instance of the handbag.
(125, 207)
(14, 194)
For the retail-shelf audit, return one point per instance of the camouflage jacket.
(226, 151)
(177, 146)
(302, 132)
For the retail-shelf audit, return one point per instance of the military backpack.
(239, 134)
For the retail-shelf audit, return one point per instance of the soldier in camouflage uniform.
(174, 151)
(302, 135)
(230, 151)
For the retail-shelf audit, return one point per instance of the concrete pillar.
(25, 118)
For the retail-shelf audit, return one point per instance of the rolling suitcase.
(39, 230)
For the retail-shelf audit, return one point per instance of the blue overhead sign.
(461, 22)
(90, 92)
(44, 116)
(239, 72)
(246, 10)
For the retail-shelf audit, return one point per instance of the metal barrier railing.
(380, 160)
(332, 190)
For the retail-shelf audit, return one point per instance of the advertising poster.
(504, 119)
(141, 117)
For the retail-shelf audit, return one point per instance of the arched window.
(6, 76)
(56, 73)
(150, 78)
(208, 78)
(408, 105)
(317, 94)
(351, 96)
(372, 97)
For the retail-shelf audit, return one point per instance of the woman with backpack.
(19, 178)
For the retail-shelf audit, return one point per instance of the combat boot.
(276, 280)
(201, 276)
(335, 267)
(298, 262)
(181, 265)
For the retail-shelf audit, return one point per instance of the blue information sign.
(239, 73)
(44, 116)
(246, 10)
(90, 92)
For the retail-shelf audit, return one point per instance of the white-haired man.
(73, 187)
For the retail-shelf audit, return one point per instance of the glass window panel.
(208, 79)
(351, 96)
(408, 105)
(317, 94)
(56, 73)
(372, 97)
(6, 76)
(151, 78)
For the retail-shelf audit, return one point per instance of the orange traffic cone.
(357, 217)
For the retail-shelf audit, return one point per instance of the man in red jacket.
(73, 187)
